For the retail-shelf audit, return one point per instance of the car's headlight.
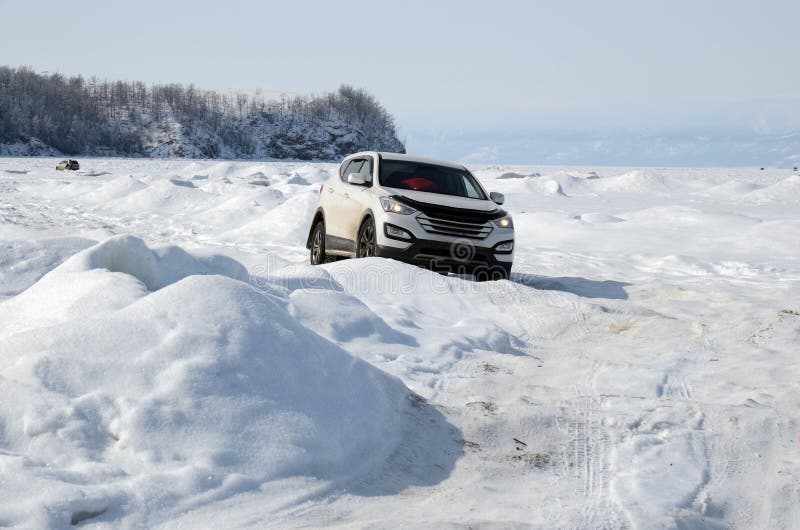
(392, 206)
(504, 222)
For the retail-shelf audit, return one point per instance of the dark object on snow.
(794, 168)
(71, 165)
(762, 169)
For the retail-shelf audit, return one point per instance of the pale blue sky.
(449, 67)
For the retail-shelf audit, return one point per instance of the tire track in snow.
(749, 452)
(590, 448)
(732, 455)
(675, 387)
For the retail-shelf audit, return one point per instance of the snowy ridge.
(141, 389)
(167, 358)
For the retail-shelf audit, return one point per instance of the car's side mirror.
(497, 197)
(356, 178)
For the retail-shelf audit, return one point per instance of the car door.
(356, 197)
(336, 211)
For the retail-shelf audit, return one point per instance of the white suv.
(417, 210)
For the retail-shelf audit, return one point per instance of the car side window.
(343, 173)
(366, 170)
(470, 190)
(353, 167)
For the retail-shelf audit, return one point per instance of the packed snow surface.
(168, 359)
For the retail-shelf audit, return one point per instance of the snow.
(168, 359)
(30, 147)
(131, 389)
(22, 263)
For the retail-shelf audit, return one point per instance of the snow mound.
(155, 268)
(168, 195)
(298, 180)
(286, 222)
(636, 181)
(22, 263)
(786, 190)
(444, 306)
(733, 188)
(258, 179)
(559, 183)
(515, 175)
(111, 190)
(106, 277)
(549, 186)
(317, 173)
(342, 318)
(202, 389)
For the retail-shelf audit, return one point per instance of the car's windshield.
(418, 176)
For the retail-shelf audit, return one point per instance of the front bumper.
(458, 257)
(474, 247)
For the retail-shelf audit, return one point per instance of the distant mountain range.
(698, 148)
(722, 132)
(55, 115)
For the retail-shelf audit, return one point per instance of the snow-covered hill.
(167, 358)
(49, 115)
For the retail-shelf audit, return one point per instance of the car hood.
(451, 201)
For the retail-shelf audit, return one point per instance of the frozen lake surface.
(168, 359)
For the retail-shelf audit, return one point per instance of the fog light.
(396, 232)
(508, 246)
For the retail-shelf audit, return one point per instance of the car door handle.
(346, 195)
(330, 190)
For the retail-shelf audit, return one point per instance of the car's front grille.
(454, 228)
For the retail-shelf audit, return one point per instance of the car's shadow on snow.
(426, 456)
(575, 285)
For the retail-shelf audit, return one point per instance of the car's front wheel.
(366, 239)
(318, 244)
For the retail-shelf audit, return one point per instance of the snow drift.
(137, 381)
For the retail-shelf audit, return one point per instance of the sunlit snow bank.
(140, 383)
(23, 262)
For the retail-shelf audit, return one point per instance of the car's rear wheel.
(318, 244)
(366, 239)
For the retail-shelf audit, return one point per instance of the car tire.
(317, 254)
(504, 272)
(366, 241)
